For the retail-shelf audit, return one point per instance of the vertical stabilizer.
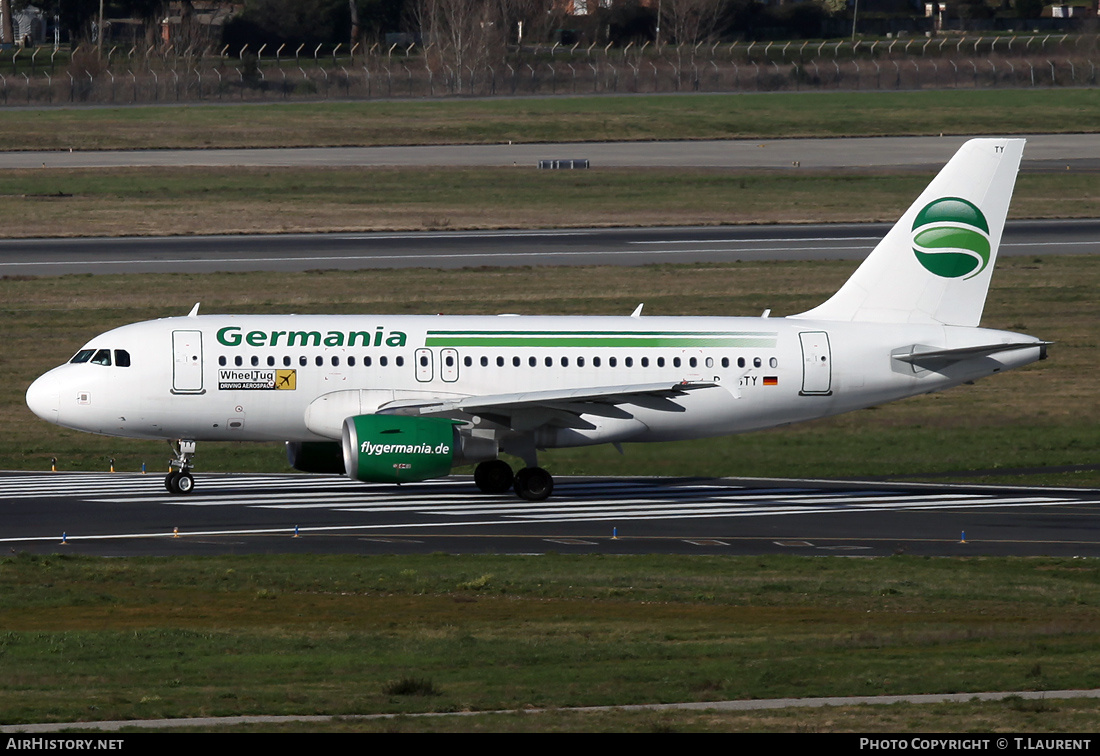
(935, 264)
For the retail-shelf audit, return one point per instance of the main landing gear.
(179, 480)
(530, 483)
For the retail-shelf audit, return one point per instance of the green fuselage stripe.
(646, 339)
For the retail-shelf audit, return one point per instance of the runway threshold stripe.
(760, 512)
(642, 508)
(496, 503)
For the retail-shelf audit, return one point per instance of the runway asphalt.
(458, 249)
(1044, 151)
(115, 514)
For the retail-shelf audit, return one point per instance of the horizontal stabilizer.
(946, 356)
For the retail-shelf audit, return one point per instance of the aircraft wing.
(563, 407)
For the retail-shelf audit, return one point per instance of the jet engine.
(402, 449)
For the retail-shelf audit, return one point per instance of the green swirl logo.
(951, 238)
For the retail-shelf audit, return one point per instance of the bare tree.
(356, 32)
(538, 19)
(7, 34)
(460, 35)
(691, 21)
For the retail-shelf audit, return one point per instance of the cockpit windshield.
(102, 357)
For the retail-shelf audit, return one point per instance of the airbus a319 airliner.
(394, 399)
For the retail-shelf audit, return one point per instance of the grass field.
(123, 202)
(151, 638)
(556, 119)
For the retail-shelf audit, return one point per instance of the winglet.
(194, 311)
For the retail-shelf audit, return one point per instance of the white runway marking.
(457, 501)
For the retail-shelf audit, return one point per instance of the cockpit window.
(102, 357)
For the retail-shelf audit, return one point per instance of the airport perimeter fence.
(158, 76)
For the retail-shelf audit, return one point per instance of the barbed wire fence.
(165, 75)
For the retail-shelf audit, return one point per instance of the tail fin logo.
(951, 238)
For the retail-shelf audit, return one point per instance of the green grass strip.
(556, 119)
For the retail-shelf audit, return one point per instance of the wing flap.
(571, 401)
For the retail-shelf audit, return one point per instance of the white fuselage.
(255, 377)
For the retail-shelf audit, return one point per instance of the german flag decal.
(771, 380)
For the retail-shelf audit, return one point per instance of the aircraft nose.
(43, 397)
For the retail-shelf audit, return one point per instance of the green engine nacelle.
(397, 448)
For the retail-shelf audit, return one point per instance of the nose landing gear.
(179, 480)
